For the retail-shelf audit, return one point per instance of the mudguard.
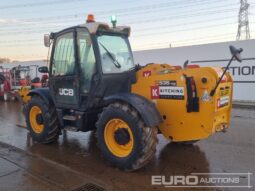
(43, 93)
(145, 108)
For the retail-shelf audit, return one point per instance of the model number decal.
(167, 83)
(167, 92)
(66, 92)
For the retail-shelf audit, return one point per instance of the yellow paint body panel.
(178, 124)
(23, 94)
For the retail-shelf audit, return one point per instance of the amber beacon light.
(90, 18)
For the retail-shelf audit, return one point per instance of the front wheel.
(42, 121)
(123, 137)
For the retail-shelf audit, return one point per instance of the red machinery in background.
(5, 86)
(18, 79)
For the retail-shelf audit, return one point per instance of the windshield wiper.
(115, 62)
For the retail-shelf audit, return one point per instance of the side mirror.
(47, 40)
(236, 53)
(43, 69)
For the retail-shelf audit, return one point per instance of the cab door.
(87, 67)
(64, 83)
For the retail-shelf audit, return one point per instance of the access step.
(71, 128)
(69, 117)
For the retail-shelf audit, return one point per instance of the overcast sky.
(155, 24)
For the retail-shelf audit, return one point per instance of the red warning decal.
(155, 92)
(146, 73)
(219, 71)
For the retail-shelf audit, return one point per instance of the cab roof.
(94, 27)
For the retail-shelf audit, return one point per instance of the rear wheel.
(124, 138)
(42, 121)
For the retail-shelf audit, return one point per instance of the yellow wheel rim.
(34, 112)
(119, 150)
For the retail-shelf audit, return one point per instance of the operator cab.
(89, 62)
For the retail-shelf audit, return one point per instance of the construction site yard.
(75, 163)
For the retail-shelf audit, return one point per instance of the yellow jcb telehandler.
(94, 85)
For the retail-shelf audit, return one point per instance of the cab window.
(116, 56)
(63, 59)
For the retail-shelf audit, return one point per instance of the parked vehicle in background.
(5, 86)
(15, 82)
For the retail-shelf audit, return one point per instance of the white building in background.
(216, 54)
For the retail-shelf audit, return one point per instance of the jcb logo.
(66, 92)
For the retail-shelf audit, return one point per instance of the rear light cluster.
(191, 66)
(224, 79)
(219, 72)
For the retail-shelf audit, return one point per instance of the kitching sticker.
(167, 92)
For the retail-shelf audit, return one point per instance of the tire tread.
(148, 136)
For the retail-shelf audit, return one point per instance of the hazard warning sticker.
(223, 101)
(167, 92)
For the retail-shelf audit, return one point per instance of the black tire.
(145, 138)
(51, 130)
